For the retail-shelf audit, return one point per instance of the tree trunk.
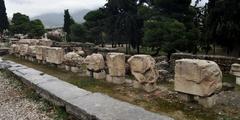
(157, 52)
(138, 49)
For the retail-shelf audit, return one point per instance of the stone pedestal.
(89, 73)
(185, 97)
(238, 80)
(75, 69)
(44, 62)
(55, 55)
(61, 66)
(235, 70)
(67, 68)
(207, 102)
(99, 75)
(115, 80)
(116, 68)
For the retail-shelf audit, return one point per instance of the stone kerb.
(116, 67)
(82, 104)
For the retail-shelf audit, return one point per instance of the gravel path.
(15, 106)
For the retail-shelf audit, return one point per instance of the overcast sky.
(37, 7)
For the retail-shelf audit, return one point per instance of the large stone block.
(32, 51)
(45, 42)
(29, 41)
(238, 80)
(95, 62)
(73, 59)
(41, 52)
(235, 69)
(55, 55)
(14, 49)
(23, 49)
(116, 64)
(197, 77)
(144, 71)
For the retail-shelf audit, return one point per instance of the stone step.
(83, 104)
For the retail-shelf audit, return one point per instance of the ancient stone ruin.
(95, 66)
(73, 62)
(196, 79)
(116, 68)
(144, 71)
(55, 55)
(200, 79)
(235, 70)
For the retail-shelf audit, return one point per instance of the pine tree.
(68, 21)
(4, 24)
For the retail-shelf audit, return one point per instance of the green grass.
(128, 94)
(229, 78)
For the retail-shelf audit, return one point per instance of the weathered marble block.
(32, 51)
(116, 64)
(55, 55)
(45, 42)
(144, 71)
(23, 49)
(73, 59)
(14, 49)
(41, 52)
(235, 70)
(197, 77)
(95, 62)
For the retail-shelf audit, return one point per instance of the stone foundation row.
(82, 104)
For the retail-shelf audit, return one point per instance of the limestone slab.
(102, 107)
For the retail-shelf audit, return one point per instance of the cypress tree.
(4, 24)
(68, 21)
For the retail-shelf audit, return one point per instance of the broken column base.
(146, 87)
(99, 75)
(74, 69)
(67, 68)
(238, 80)
(115, 80)
(185, 97)
(89, 73)
(31, 58)
(44, 62)
(207, 102)
(39, 61)
(61, 66)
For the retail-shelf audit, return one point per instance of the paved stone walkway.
(15, 106)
